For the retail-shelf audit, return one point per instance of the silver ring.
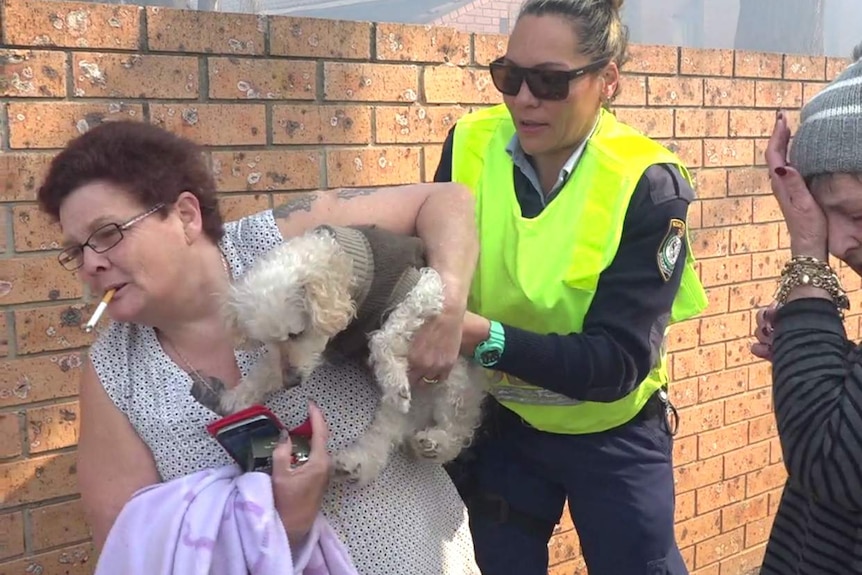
(430, 380)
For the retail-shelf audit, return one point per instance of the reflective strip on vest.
(540, 274)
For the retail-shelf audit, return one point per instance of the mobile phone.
(251, 435)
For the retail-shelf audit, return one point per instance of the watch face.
(490, 356)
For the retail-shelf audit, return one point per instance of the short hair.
(149, 162)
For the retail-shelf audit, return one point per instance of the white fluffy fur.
(295, 299)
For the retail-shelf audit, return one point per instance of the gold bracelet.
(809, 271)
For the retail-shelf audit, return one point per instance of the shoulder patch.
(670, 248)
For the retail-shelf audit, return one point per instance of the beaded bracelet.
(809, 271)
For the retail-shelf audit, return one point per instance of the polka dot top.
(409, 521)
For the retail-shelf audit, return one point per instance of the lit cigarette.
(100, 309)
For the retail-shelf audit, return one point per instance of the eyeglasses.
(101, 240)
(543, 84)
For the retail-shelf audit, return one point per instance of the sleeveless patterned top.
(409, 521)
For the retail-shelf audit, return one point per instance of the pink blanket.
(215, 522)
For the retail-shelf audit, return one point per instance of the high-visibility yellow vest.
(540, 274)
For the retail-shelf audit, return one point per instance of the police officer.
(584, 264)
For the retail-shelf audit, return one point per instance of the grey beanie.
(829, 138)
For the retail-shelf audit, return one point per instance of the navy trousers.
(619, 485)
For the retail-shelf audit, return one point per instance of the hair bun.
(857, 53)
(615, 4)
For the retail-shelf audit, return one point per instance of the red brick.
(757, 64)
(747, 562)
(739, 352)
(236, 206)
(720, 495)
(724, 327)
(748, 405)
(172, 30)
(762, 428)
(11, 535)
(71, 24)
(811, 89)
(255, 79)
(266, 170)
(683, 393)
(758, 531)
(709, 242)
(676, 91)
(722, 384)
(745, 460)
(654, 122)
(710, 183)
(690, 153)
(706, 62)
(38, 478)
(778, 94)
(701, 123)
(77, 560)
(684, 503)
(760, 375)
(718, 548)
(347, 81)
(685, 451)
(651, 59)
(748, 182)
(754, 238)
(750, 295)
(801, 67)
(724, 271)
(698, 529)
(11, 440)
(52, 124)
(52, 427)
(32, 74)
(718, 297)
(213, 124)
(36, 279)
(319, 38)
(726, 212)
(728, 152)
(683, 335)
(489, 47)
(632, 91)
(766, 478)
(21, 175)
(739, 514)
(776, 453)
(34, 230)
(718, 441)
(30, 380)
(372, 166)
(751, 123)
(313, 124)
(726, 92)
(134, 76)
(450, 84)
(765, 209)
(699, 418)
(60, 524)
(768, 264)
(564, 547)
(414, 43)
(835, 66)
(52, 328)
(698, 361)
(415, 124)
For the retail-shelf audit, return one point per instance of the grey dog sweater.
(385, 268)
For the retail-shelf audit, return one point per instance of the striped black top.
(817, 389)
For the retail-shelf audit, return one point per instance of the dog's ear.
(328, 301)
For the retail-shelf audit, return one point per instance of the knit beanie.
(829, 138)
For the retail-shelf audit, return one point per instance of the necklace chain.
(179, 354)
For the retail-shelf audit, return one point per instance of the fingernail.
(781, 171)
(778, 115)
(283, 436)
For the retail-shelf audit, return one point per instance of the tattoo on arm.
(350, 193)
(301, 203)
(207, 391)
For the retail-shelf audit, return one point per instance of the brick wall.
(287, 104)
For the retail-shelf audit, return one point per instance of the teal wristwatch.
(488, 352)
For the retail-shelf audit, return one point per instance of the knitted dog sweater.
(385, 268)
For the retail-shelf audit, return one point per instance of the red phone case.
(303, 429)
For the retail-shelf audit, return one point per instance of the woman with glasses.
(138, 210)
(585, 263)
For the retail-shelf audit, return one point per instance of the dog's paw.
(399, 398)
(434, 445)
(347, 467)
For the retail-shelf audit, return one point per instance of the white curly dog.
(306, 296)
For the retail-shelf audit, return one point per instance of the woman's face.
(145, 265)
(548, 126)
(840, 197)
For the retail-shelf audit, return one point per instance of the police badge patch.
(670, 247)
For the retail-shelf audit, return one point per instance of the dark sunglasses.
(543, 84)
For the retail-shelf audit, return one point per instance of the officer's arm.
(624, 327)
